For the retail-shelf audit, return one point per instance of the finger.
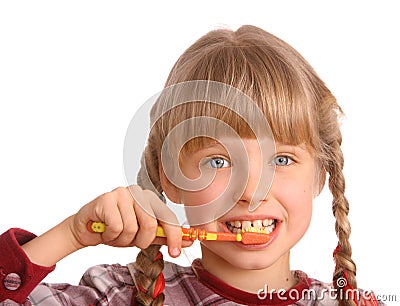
(169, 222)
(174, 238)
(106, 210)
(128, 216)
(163, 241)
(145, 218)
(162, 212)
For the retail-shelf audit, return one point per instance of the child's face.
(288, 204)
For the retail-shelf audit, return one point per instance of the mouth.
(265, 226)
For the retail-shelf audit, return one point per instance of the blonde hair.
(298, 106)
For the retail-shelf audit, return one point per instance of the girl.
(234, 172)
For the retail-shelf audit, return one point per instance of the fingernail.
(175, 252)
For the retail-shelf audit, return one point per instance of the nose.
(257, 184)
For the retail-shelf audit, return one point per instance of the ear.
(170, 190)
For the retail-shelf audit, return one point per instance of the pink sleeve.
(18, 275)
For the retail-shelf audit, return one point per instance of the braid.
(345, 270)
(149, 264)
(148, 273)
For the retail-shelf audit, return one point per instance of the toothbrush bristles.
(254, 238)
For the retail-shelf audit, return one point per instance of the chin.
(246, 260)
(253, 265)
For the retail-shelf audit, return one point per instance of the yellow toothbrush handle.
(100, 227)
(187, 233)
(96, 227)
(160, 232)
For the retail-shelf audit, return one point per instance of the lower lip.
(254, 247)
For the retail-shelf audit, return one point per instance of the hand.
(130, 215)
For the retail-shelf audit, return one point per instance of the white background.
(72, 75)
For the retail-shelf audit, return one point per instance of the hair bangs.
(265, 69)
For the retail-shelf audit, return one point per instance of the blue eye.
(282, 160)
(217, 163)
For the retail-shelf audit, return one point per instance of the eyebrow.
(211, 146)
(294, 149)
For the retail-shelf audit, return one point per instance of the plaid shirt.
(113, 285)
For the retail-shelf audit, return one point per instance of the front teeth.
(246, 225)
(257, 226)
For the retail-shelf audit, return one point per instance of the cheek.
(208, 194)
(297, 198)
(197, 198)
(300, 213)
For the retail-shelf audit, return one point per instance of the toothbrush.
(198, 234)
